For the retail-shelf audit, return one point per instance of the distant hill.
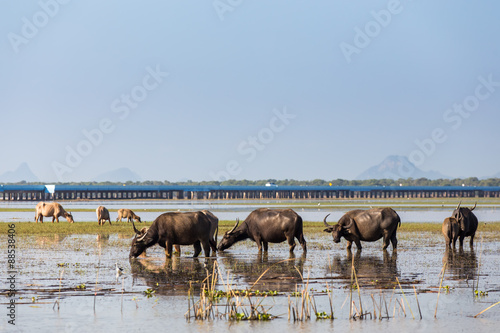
(396, 167)
(22, 173)
(120, 175)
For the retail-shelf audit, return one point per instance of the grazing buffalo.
(265, 226)
(127, 214)
(192, 228)
(214, 228)
(450, 230)
(366, 225)
(51, 209)
(468, 223)
(102, 215)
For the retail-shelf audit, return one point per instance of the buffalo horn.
(349, 225)
(139, 239)
(474, 206)
(459, 204)
(324, 221)
(234, 228)
(135, 229)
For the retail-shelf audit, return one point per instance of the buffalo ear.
(328, 229)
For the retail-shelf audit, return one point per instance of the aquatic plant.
(149, 292)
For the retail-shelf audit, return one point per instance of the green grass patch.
(65, 228)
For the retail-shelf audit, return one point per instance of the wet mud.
(70, 282)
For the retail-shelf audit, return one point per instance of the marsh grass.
(238, 305)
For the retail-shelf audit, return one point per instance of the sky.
(211, 90)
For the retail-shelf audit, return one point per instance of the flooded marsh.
(69, 282)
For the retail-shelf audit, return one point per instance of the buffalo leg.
(206, 248)
(177, 249)
(302, 242)
(265, 245)
(291, 243)
(349, 245)
(259, 243)
(472, 240)
(461, 240)
(394, 240)
(197, 249)
(168, 249)
(358, 244)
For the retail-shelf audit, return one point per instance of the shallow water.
(51, 268)
(232, 210)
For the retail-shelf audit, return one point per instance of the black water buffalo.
(265, 226)
(214, 229)
(366, 225)
(468, 223)
(450, 230)
(191, 228)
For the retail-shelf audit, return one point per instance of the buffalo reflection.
(460, 264)
(263, 273)
(173, 276)
(370, 270)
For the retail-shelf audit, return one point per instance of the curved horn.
(459, 204)
(236, 225)
(474, 206)
(324, 221)
(135, 229)
(139, 239)
(349, 225)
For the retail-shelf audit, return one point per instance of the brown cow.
(451, 230)
(51, 209)
(127, 214)
(102, 215)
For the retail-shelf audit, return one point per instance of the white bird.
(119, 270)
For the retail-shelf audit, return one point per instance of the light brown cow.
(102, 215)
(51, 209)
(127, 214)
(451, 230)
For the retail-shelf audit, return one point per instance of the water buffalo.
(214, 228)
(127, 214)
(192, 228)
(265, 226)
(468, 223)
(102, 215)
(51, 209)
(450, 230)
(366, 225)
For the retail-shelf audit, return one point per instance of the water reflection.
(370, 270)
(172, 276)
(264, 273)
(460, 264)
(50, 240)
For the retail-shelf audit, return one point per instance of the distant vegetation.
(472, 181)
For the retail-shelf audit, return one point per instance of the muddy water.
(70, 284)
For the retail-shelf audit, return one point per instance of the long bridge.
(178, 192)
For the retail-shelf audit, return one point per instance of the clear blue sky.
(251, 89)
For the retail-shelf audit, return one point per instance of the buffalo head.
(69, 217)
(338, 230)
(140, 242)
(462, 216)
(231, 237)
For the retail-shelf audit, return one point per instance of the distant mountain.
(396, 167)
(23, 172)
(118, 175)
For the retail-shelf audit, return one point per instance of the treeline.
(472, 181)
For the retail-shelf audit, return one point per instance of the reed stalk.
(439, 291)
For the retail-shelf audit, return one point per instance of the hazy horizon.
(248, 90)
